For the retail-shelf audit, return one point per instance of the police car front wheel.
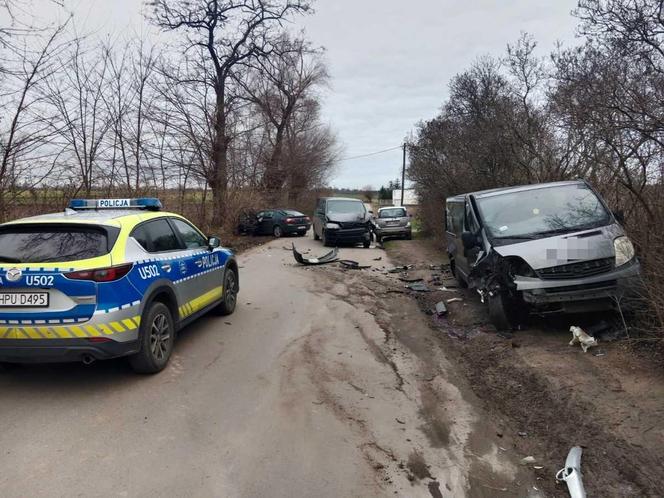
(157, 337)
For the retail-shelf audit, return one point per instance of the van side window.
(454, 217)
(470, 224)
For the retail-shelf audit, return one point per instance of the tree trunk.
(219, 178)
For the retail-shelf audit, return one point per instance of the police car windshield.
(44, 244)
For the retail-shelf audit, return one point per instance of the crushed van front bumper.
(623, 282)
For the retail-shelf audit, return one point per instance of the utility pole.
(403, 174)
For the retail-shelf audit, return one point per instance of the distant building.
(409, 195)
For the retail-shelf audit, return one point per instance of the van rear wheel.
(455, 273)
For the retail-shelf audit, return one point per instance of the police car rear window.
(51, 244)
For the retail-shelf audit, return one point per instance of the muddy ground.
(544, 396)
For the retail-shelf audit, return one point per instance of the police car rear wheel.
(227, 305)
(157, 337)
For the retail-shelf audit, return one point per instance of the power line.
(370, 154)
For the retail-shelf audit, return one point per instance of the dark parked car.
(342, 221)
(280, 222)
(247, 222)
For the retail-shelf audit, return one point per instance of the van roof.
(341, 199)
(519, 188)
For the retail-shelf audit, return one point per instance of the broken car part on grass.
(571, 474)
(330, 257)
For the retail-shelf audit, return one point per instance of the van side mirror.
(470, 240)
(213, 243)
(619, 215)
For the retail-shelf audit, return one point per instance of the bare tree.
(27, 148)
(279, 85)
(228, 32)
(77, 94)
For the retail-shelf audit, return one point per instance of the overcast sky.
(390, 60)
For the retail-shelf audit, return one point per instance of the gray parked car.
(392, 222)
(548, 247)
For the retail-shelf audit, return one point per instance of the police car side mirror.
(213, 243)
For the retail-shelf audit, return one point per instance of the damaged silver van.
(552, 247)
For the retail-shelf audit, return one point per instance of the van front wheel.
(503, 311)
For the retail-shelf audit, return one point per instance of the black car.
(342, 221)
(279, 222)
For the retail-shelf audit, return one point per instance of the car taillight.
(307, 219)
(101, 274)
(290, 221)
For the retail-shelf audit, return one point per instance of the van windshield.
(345, 207)
(543, 211)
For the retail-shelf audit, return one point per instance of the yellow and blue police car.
(107, 278)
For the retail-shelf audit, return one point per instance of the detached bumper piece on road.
(330, 257)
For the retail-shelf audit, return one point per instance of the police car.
(107, 278)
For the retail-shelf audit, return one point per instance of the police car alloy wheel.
(157, 337)
(227, 306)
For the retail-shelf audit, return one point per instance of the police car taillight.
(109, 274)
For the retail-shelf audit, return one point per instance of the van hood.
(596, 243)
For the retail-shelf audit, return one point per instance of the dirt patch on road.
(545, 396)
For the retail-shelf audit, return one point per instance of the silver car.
(548, 247)
(392, 222)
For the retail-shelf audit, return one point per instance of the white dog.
(580, 336)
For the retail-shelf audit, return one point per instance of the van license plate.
(23, 299)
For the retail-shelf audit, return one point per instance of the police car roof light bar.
(148, 203)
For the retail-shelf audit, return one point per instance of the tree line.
(228, 102)
(593, 111)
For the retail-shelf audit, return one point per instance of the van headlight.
(624, 250)
(332, 226)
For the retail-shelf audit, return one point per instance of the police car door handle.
(166, 267)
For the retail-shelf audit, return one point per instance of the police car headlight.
(624, 250)
(332, 226)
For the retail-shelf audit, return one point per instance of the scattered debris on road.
(441, 309)
(571, 474)
(410, 280)
(399, 269)
(353, 265)
(581, 337)
(455, 300)
(418, 287)
(330, 257)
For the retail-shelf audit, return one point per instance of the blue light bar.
(149, 203)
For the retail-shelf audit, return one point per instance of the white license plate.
(302, 228)
(23, 299)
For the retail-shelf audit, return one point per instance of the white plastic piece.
(571, 474)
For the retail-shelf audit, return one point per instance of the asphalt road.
(302, 392)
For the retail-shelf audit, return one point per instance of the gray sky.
(390, 60)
